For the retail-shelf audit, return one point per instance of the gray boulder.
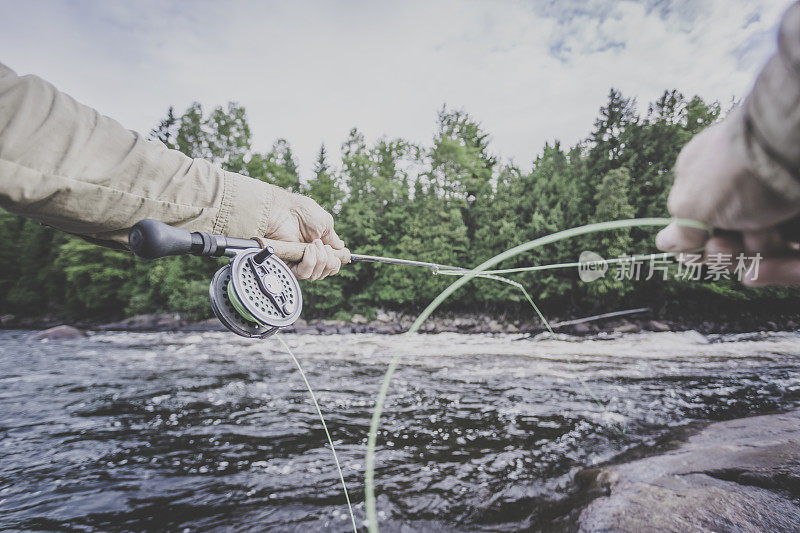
(60, 333)
(627, 327)
(739, 475)
(359, 319)
(491, 326)
(387, 328)
(655, 325)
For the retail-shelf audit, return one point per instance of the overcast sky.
(530, 71)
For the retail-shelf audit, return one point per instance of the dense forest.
(451, 202)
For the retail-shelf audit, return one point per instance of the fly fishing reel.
(256, 294)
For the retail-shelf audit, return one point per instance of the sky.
(530, 71)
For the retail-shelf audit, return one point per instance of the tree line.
(451, 201)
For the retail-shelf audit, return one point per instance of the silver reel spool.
(256, 294)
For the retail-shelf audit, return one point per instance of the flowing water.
(124, 431)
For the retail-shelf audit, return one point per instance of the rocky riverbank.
(392, 322)
(738, 475)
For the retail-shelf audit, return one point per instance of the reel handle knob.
(292, 252)
(151, 239)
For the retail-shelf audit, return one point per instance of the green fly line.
(324, 426)
(483, 271)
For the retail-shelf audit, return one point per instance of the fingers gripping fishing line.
(483, 270)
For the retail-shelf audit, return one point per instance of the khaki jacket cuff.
(246, 207)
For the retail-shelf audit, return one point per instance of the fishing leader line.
(553, 266)
(324, 426)
(491, 275)
(466, 276)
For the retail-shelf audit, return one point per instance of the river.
(138, 431)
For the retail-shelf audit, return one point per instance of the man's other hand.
(714, 185)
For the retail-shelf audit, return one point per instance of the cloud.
(309, 71)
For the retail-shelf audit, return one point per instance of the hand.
(714, 185)
(298, 218)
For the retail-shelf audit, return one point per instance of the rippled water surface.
(124, 431)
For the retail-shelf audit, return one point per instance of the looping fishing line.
(482, 270)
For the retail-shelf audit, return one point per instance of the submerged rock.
(388, 328)
(330, 327)
(581, 329)
(491, 326)
(209, 324)
(627, 327)
(60, 333)
(300, 326)
(739, 475)
(148, 322)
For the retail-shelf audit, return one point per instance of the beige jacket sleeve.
(769, 124)
(68, 166)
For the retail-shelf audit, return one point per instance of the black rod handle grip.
(151, 239)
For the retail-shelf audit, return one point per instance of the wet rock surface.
(738, 475)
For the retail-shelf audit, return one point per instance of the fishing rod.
(255, 294)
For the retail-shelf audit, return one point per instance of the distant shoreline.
(390, 323)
